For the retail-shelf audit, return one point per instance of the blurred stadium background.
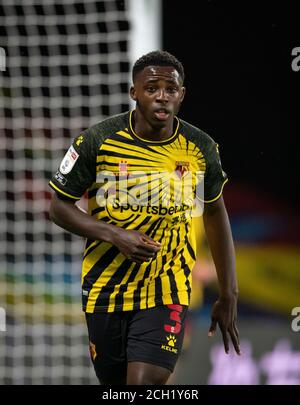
(67, 67)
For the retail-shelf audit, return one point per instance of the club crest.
(181, 168)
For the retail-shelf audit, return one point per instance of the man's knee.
(139, 373)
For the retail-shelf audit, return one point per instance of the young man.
(136, 273)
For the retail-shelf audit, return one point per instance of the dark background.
(241, 88)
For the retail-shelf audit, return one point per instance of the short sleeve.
(215, 178)
(77, 169)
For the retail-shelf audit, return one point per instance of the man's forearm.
(219, 237)
(68, 216)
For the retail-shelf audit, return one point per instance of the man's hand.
(135, 245)
(224, 314)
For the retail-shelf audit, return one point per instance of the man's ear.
(133, 93)
(182, 94)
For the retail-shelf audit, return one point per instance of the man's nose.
(162, 95)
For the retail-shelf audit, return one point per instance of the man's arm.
(219, 237)
(136, 246)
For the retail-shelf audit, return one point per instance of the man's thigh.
(107, 340)
(155, 335)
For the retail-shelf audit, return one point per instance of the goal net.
(67, 67)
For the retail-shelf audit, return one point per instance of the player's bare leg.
(139, 373)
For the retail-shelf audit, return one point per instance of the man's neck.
(145, 131)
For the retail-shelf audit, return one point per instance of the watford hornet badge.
(181, 168)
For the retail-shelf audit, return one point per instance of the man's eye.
(151, 89)
(172, 89)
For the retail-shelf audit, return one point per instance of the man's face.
(158, 92)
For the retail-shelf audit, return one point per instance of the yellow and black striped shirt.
(141, 185)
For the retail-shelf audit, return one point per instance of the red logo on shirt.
(123, 166)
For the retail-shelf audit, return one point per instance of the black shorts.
(152, 336)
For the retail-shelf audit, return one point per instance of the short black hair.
(157, 58)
